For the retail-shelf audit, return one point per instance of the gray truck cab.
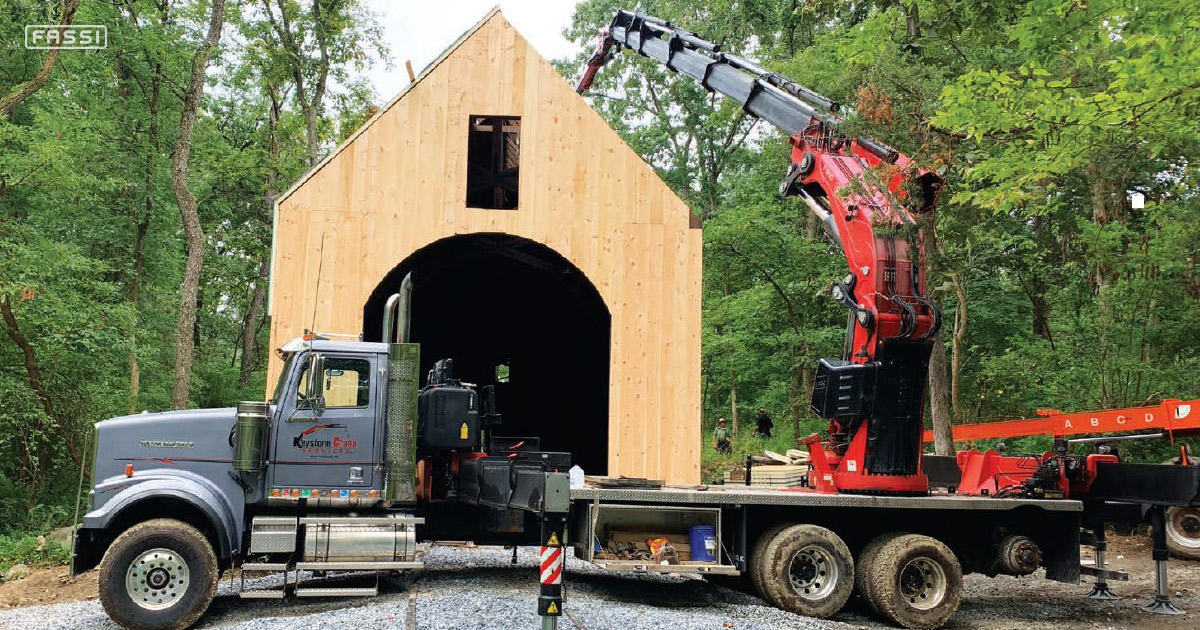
(182, 463)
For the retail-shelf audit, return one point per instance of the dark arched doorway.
(505, 305)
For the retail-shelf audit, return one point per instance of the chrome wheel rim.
(812, 573)
(923, 583)
(157, 579)
(1183, 527)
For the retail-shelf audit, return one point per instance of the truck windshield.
(283, 375)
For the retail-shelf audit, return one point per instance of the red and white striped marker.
(552, 565)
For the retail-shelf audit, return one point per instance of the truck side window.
(347, 382)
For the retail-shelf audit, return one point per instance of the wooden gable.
(400, 184)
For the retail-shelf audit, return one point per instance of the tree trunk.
(188, 211)
(1037, 288)
(250, 328)
(958, 341)
(913, 21)
(249, 354)
(939, 398)
(1041, 309)
(10, 101)
(1108, 206)
(141, 230)
(310, 126)
(939, 381)
(310, 105)
(33, 375)
(801, 381)
(733, 407)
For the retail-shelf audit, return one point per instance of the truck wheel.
(758, 566)
(158, 575)
(1183, 532)
(862, 566)
(809, 571)
(914, 581)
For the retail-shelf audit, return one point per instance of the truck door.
(333, 450)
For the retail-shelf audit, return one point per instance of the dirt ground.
(47, 586)
(1001, 603)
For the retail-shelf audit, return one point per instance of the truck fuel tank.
(391, 538)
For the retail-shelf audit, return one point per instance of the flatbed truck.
(352, 471)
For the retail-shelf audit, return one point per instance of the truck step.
(336, 592)
(264, 566)
(642, 566)
(357, 566)
(261, 594)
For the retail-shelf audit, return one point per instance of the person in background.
(721, 437)
(763, 424)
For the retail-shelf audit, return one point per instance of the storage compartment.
(623, 532)
(449, 418)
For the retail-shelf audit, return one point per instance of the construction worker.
(763, 424)
(721, 437)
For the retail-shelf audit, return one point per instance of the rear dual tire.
(911, 580)
(804, 569)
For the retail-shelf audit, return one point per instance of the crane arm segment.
(1171, 417)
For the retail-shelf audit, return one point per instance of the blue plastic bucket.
(703, 542)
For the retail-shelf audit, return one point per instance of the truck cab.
(328, 447)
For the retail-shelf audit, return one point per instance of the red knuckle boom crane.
(873, 201)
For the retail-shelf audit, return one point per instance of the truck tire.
(158, 575)
(914, 581)
(1183, 532)
(758, 567)
(862, 566)
(808, 571)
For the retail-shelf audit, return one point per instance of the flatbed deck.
(748, 495)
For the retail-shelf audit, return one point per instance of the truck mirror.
(314, 386)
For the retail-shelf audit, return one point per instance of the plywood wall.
(400, 184)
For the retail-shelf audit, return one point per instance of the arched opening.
(514, 313)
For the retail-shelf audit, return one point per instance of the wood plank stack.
(767, 476)
(624, 482)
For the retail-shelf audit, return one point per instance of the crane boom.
(870, 199)
(774, 98)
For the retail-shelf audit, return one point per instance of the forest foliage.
(1047, 113)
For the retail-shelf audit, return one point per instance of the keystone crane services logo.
(331, 446)
(73, 37)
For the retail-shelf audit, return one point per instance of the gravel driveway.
(465, 588)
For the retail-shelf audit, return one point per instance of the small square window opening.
(493, 162)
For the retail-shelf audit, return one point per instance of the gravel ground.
(477, 588)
